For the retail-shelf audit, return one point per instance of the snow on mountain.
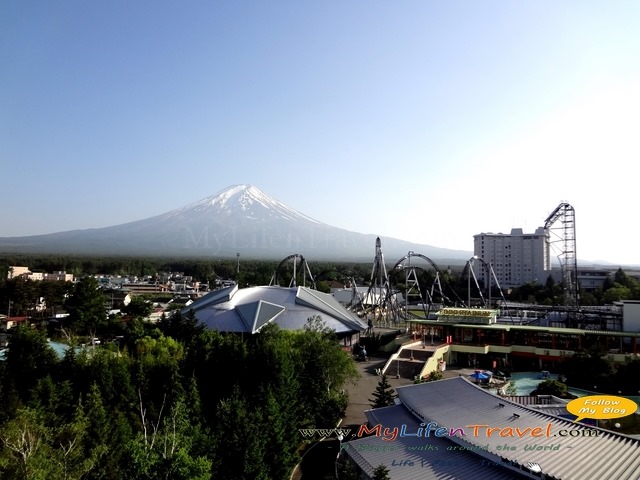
(243, 200)
(240, 219)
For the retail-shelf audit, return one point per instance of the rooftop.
(456, 403)
(246, 310)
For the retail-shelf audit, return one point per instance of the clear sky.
(429, 121)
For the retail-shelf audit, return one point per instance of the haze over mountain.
(241, 219)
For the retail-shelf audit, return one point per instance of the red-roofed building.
(10, 322)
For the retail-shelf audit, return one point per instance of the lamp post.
(340, 438)
(469, 284)
(470, 265)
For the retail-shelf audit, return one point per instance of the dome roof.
(247, 310)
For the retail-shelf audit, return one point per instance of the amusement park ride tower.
(560, 227)
(385, 303)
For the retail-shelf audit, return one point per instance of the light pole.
(340, 438)
(238, 263)
(470, 264)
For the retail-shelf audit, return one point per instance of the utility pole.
(238, 264)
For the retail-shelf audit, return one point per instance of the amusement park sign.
(468, 315)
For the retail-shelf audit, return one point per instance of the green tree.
(241, 449)
(156, 370)
(25, 452)
(346, 469)
(100, 441)
(54, 294)
(323, 286)
(511, 390)
(138, 307)
(384, 394)
(212, 351)
(621, 278)
(280, 447)
(277, 389)
(616, 293)
(19, 296)
(112, 374)
(68, 454)
(381, 472)
(182, 327)
(323, 369)
(56, 400)
(434, 376)
(87, 308)
(162, 450)
(551, 387)
(588, 298)
(28, 359)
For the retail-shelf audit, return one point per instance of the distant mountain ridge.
(240, 219)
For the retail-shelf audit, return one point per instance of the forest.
(168, 401)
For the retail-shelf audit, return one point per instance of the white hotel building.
(516, 258)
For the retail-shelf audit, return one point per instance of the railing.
(398, 355)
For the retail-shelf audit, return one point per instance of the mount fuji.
(241, 219)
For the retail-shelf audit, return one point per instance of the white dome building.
(247, 310)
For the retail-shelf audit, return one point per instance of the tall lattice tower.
(378, 299)
(560, 226)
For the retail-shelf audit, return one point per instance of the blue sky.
(429, 121)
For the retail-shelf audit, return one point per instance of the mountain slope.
(241, 219)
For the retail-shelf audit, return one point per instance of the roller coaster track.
(561, 238)
(440, 276)
(489, 274)
(381, 297)
(375, 301)
(299, 265)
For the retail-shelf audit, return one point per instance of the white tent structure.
(247, 310)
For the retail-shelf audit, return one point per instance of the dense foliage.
(172, 401)
(594, 370)
(551, 387)
(619, 287)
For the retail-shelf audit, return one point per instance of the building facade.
(19, 271)
(16, 271)
(516, 258)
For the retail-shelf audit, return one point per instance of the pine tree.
(346, 469)
(381, 472)
(384, 394)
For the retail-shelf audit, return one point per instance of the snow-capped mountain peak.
(240, 219)
(251, 201)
